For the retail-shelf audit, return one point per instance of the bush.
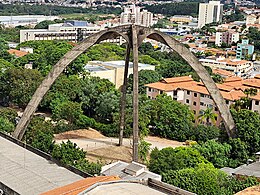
(204, 133)
(215, 152)
(9, 114)
(174, 159)
(5, 125)
(84, 122)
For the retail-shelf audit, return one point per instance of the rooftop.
(17, 53)
(132, 171)
(26, 172)
(79, 186)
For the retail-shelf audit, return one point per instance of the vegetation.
(170, 9)
(25, 9)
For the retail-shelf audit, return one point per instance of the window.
(149, 89)
(202, 95)
(256, 102)
(195, 94)
(187, 101)
(216, 109)
(149, 97)
(174, 93)
(227, 102)
(161, 92)
(188, 92)
(194, 103)
(201, 103)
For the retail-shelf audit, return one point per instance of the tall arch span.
(126, 32)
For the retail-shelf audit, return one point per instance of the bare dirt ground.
(105, 149)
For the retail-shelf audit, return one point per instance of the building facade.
(210, 12)
(227, 37)
(70, 31)
(236, 66)
(244, 50)
(133, 14)
(194, 94)
(113, 70)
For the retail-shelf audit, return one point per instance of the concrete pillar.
(123, 98)
(135, 94)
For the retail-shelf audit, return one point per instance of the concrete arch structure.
(134, 35)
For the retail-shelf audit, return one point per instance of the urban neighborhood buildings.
(194, 94)
(209, 13)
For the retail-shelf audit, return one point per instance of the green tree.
(204, 133)
(18, 85)
(143, 150)
(208, 116)
(248, 128)
(70, 111)
(216, 153)
(203, 179)
(9, 114)
(39, 134)
(170, 119)
(144, 77)
(70, 154)
(174, 159)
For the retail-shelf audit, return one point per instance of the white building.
(70, 31)
(24, 20)
(210, 12)
(239, 67)
(113, 70)
(133, 14)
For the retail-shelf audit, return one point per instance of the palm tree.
(208, 115)
(250, 92)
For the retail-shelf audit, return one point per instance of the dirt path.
(105, 149)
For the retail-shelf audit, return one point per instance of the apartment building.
(210, 12)
(244, 49)
(194, 94)
(227, 37)
(133, 14)
(70, 31)
(238, 67)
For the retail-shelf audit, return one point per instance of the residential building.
(70, 31)
(227, 37)
(209, 13)
(244, 49)
(194, 94)
(17, 53)
(113, 70)
(238, 67)
(133, 14)
(252, 19)
(181, 18)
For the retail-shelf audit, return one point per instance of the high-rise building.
(210, 12)
(133, 14)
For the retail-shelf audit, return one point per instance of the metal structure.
(134, 36)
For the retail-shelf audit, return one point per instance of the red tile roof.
(17, 53)
(79, 186)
